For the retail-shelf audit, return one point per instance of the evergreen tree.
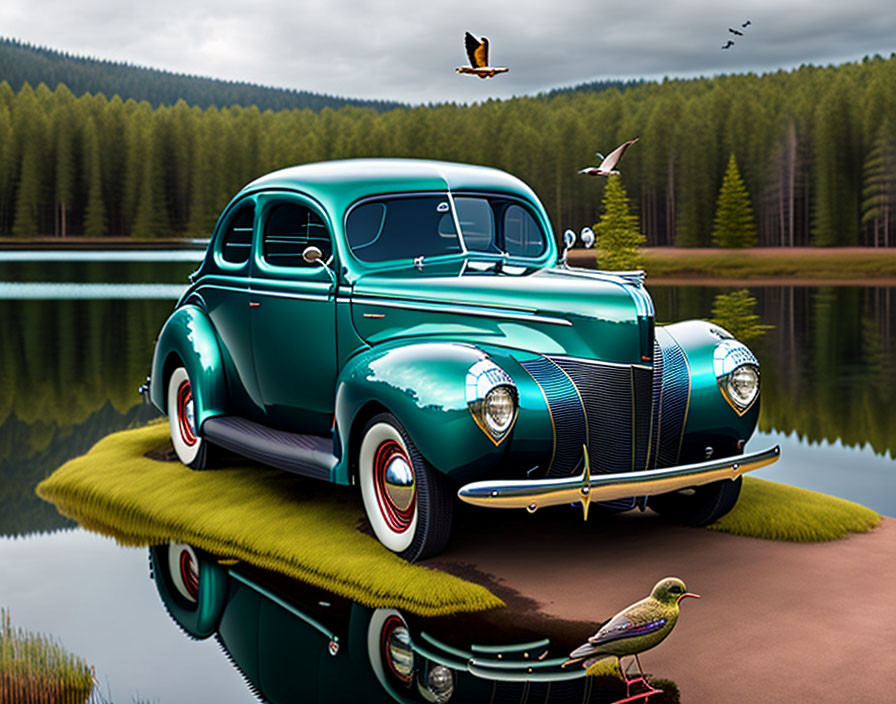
(618, 237)
(879, 193)
(734, 224)
(95, 211)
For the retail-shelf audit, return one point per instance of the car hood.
(572, 312)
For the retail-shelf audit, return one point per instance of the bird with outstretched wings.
(607, 166)
(477, 53)
(477, 50)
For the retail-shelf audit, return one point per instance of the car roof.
(337, 184)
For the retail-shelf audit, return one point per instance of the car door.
(226, 297)
(293, 314)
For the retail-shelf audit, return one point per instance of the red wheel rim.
(185, 397)
(189, 575)
(392, 623)
(398, 519)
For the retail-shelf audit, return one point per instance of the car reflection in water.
(293, 642)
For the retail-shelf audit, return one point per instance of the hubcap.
(396, 488)
(185, 413)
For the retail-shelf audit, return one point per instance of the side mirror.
(569, 239)
(587, 237)
(312, 254)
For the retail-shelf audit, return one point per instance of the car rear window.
(237, 241)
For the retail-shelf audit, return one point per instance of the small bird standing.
(607, 166)
(477, 52)
(637, 628)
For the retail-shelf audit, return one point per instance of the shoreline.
(782, 621)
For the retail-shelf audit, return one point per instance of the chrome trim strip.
(254, 292)
(537, 493)
(462, 310)
(404, 299)
(599, 363)
(518, 664)
(285, 605)
(515, 648)
(456, 652)
(477, 670)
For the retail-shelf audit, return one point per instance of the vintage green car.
(406, 326)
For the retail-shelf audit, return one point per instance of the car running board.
(308, 455)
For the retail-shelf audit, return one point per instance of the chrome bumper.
(537, 493)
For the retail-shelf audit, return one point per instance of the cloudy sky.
(393, 49)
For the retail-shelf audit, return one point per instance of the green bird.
(637, 628)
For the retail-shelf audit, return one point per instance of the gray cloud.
(394, 49)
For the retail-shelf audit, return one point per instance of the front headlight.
(737, 373)
(492, 399)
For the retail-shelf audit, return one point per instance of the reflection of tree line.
(828, 364)
(70, 374)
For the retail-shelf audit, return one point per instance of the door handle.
(254, 304)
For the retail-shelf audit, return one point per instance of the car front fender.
(709, 415)
(423, 385)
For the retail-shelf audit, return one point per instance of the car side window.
(236, 243)
(289, 229)
(522, 235)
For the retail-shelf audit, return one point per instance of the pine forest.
(814, 147)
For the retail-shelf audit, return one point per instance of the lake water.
(77, 340)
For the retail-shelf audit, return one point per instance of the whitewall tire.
(406, 500)
(188, 445)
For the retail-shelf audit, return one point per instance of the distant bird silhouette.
(728, 45)
(637, 628)
(477, 52)
(734, 31)
(746, 24)
(608, 164)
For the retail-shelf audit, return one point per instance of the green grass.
(779, 512)
(272, 519)
(800, 263)
(36, 670)
(744, 264)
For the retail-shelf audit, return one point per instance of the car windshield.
(397, 228)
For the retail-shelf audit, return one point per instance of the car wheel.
(191, 449)
(408, 503)
(192, 586)
(700, 505)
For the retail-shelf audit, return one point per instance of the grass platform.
(301, 528)
(780, 512)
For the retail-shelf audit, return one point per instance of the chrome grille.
(567, 416)
(630, 417)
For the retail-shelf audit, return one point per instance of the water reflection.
(69, 370)
(61, 291)
(293, 642)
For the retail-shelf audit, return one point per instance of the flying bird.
(746, 24)
(728, 45)
(734, 31)
(608, 164)
(477, 52)
(637, 628)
